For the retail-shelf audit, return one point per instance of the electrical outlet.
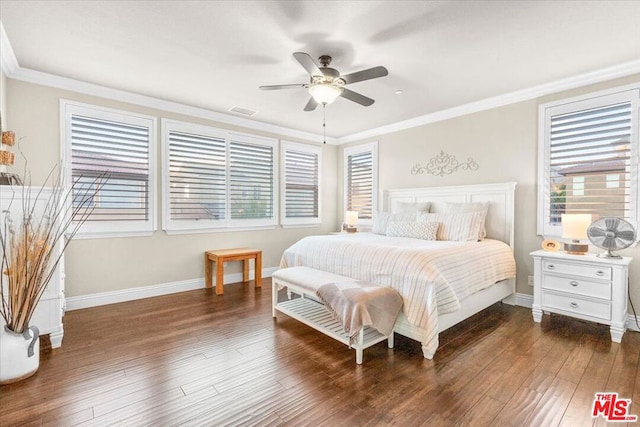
(530, 281)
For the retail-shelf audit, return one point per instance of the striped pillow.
(413, 229)
(451, 207)
(459, 227)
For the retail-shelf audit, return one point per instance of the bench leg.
(219, 277)
(359, 345)
(274, 297)
(258, 270)
(245, 270)
(207, 272)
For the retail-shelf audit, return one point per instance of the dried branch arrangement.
(33, 238)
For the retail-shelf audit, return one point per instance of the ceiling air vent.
(243, 111)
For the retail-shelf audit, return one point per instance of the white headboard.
(499, 223)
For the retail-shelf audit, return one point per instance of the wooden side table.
(220, 256)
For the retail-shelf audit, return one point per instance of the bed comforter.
(432, 277)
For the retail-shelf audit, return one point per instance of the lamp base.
(576, 248)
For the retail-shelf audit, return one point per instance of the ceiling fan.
(326, 83)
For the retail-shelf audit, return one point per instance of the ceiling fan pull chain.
(324, 122)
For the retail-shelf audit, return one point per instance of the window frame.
(628, 93)
(357, 149)
(298, 222)
(109, 229)
(171, 226)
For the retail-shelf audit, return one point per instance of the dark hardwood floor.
(199, 359)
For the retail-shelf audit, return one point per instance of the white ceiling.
(215, 54)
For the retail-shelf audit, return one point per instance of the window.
(119, 145)
(588, 158)
(361, 180)
(301, 184)
(216, 179)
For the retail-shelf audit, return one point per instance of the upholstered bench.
(323, 300)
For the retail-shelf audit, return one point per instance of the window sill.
(218, 230)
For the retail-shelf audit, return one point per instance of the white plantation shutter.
(301, 180)
(121, 151)
(590, 159)
(251, 180)
(361, 180)
(119, 144)
(197, 177)
(215, 179)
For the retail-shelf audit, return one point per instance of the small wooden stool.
(220, 256)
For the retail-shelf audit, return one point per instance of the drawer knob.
(574, 304)
(573, 283)
(599, 273)
(551, 266)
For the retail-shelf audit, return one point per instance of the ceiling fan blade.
(356, 97)
(275, 87)
(311, 105)
(307, 62)
(368, 74)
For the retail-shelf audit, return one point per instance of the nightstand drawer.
(577, 285)
(573, 269)
(573, 304)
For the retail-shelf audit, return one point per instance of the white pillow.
(416, 230)
(459, 227)
(411, 207)
(451, 207)
(382, 219)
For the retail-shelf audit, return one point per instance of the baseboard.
(631, 322)
(130, 294)
(524, 300)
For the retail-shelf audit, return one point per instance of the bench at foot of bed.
(305, 282)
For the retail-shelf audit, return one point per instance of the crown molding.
(585, 79)
(51, 80)
(8, 61)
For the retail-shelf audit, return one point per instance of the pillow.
(459, 227)
(416, 230)
(411, 207)
(381, 220)
(450, 207)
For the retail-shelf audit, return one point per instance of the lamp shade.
(324, 93)
(574, 226)
(351, 217)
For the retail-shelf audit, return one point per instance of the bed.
(441, 282)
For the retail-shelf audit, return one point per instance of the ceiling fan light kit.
(324, 93)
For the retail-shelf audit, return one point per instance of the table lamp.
(351, 221)
(574, 227)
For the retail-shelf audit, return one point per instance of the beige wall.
(100, 265)
(504, 142)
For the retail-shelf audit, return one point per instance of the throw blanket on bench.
(359, 304)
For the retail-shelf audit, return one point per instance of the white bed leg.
(427, 354)
(390, 340)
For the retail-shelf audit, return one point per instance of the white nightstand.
(582, 286)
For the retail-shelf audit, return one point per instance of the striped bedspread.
(431, 276)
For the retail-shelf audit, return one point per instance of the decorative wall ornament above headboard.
(444, 164)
